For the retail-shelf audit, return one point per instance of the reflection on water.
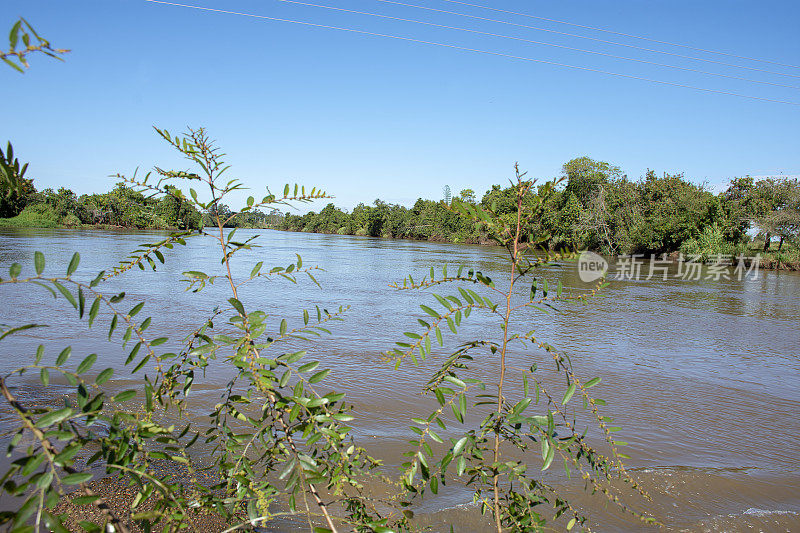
(702, 375)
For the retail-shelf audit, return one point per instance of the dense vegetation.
(123, 206)
(598, 208)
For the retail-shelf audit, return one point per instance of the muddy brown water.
(702, 375)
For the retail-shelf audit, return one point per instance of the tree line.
(594, 206)
(597, 208)
(21, 205)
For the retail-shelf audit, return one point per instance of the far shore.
(770, 260)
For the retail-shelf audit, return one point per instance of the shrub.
(70, 220)
(708, 244)
(33, 216)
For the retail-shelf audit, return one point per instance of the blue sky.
(368, 117)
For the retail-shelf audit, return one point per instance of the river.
(702, 375)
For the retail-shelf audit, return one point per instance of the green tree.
(176, 211)
(568, 221)
(737, 204)
(218, 211)
(376, 219)
(15, 189)
(584, 176)
(671, 211)
(776, 209)
(467, 195)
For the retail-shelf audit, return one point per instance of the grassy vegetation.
(33, 216)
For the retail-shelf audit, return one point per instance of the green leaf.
(68, 295)
(38, 261)
(73, 264)
(117, 298)
(141, 363)
(96, 281)
(237, 305)
(53, 417)
(25, 511)
(63, 356)
(459, 446)
(568, 394)
(455, 381)
(522, 405)
(430, 311)
(13, 39)
(124, 396)
(77, 478)
(591, 383)
(444, 302)
(53, 523)
(319, 376)
(87, 363)
(14, 270)
(309, 367)
(85, 500)
(44, 377)
(548, 452)
(11, 331)
(93, 310)
(104, 376)
(457, 413)
(112, 326)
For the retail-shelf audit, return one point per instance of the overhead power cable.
(689, 47)
(530, 41)
(615, 43)
(466, 49)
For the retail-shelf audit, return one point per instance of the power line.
(624, 34)
(486, 52)
(693, 58)
(686, 69)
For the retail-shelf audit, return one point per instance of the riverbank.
(786, 260)
(41, 217)
(44, 218)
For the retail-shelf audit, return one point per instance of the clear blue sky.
(367, 117)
